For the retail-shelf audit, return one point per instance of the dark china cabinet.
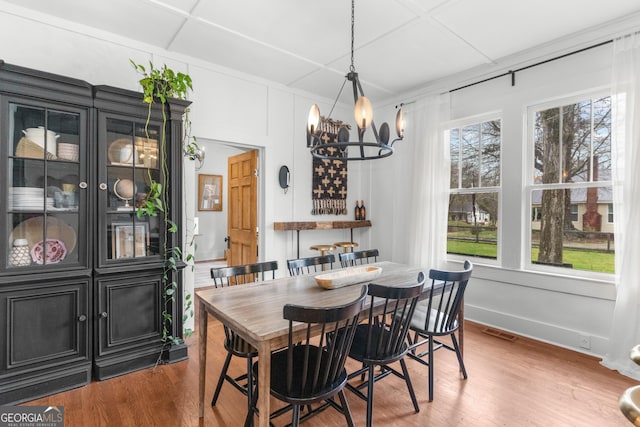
(81, 275)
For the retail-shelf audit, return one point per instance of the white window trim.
(529, 187)
(460, 123)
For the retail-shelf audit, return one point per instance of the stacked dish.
(27, 198)
(68, 151)
(60, 240)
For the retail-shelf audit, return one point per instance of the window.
(571, 185)
(573, 212)
(474, 185)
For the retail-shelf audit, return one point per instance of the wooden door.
(242, 224)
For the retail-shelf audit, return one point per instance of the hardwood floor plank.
(517, 383)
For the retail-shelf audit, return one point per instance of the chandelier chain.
(353, 7)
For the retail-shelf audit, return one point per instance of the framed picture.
(129, 240)
(209, 192)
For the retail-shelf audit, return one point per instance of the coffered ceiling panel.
(400, 45)
(139, 20)
(498, 28)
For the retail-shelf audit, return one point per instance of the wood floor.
(519, 383)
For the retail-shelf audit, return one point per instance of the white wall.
(548, 307)
(551, 308)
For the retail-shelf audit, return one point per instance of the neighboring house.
(465, 212)
(590, 209)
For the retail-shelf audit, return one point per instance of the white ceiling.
(400, 45)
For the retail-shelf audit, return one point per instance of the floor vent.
(500, 334)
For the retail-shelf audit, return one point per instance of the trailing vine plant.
(158, 86)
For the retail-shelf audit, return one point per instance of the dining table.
(254, 311)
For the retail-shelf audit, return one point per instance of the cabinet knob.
(104, 314)
(82, 318)
(82, 185)
(102, 186)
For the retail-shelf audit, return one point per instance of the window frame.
(529, 186)
(459, 124)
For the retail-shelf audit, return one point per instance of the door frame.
(210, 145)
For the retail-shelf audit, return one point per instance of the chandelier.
(324, 148)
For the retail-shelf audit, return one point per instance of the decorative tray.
(348, 276)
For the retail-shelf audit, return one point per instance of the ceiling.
(400, 45)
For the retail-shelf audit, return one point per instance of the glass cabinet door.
(45, 186)
(132, 164)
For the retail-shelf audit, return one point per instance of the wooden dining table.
(254, 311)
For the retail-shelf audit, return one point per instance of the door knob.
(82, 318)
(104, 314)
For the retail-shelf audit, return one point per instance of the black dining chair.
(349, 259)
(310, 265)
(311, 369)
(234, 344)
(437, 316)
(383, 339)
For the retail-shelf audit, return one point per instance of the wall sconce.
(194, 152)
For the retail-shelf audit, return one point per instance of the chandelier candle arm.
(363, 115)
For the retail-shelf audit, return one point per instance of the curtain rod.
(512, 73)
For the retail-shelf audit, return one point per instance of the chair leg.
(296, 416)
(345, 408)
(459, 354)
(221, 379)
(430, 368)
(370, 382)
(407, 379)
(248, 422)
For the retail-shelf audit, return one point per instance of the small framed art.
(209, 192)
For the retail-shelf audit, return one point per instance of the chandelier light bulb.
(314, 119)
(363, 112)
(400, 123)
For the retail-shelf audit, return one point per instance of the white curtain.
(625, 327)
(430, 189)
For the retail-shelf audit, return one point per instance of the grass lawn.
(581, 260)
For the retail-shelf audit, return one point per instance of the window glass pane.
(583, 241)
(470, 161)
(454, 144)
(547, 146)
(490, 160)
(602, 139)
(576, 142)
(472, 226)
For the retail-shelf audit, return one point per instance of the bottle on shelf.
(363, 211)
(357, 211)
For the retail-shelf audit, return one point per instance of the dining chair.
(310, 265)
(234, 344)
(437, 316)
(383, 339)
(350, 259)
(311, 369)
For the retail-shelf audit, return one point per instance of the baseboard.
(551, 334)
(53, 381)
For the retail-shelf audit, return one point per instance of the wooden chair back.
(247, 273)
(383, 339)
(443, 302)
(315, 368)
(349, 259)
(310, 265)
